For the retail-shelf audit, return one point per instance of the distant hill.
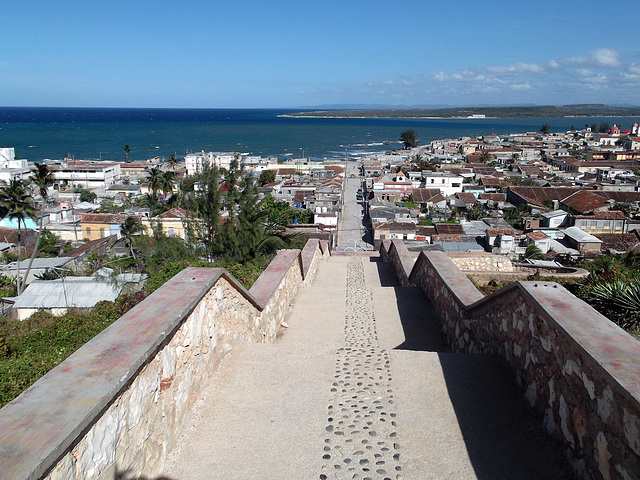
(549, 111)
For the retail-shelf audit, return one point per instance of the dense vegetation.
(31, 348)
(587, 110)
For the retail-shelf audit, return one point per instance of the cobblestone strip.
(361, 440)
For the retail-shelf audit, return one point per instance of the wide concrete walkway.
(360, 386)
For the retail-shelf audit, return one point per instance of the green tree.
(267, 176)
(226, 241)
(487, 157)
(16, 203)
(477, 211)
(625, 207)
(408, 137)
(49, 244)
(159, 181)
(87, 195)
(205, 202)
(42, 178)
(127, 151)
(173, 161)
(604, 127)
(533, 252)
(546, 128)
(249, 225)
(128, 229)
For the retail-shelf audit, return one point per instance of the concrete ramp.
(361, 386)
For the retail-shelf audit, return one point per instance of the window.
(171, 232)
(87, 230)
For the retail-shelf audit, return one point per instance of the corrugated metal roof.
(79, 292)
(38, 264)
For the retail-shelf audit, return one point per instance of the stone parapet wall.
(396, 252)
(578, 370)
(116, 407)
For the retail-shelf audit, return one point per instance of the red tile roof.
(617, 241)
(449, 229)
(539, 195)
(604, 215)
(426, 195)
(177, 213)
(105, 218)
(467, 197)
(496, 197)
(537, 235)
(585, 201)
(494, 232)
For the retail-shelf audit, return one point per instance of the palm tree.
(128, 229)
(43, 179)
(160, 181)
(127, 151)
(533, 252)
(173, 161)
(16, 203)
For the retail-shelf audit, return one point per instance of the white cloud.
(517, 69)
(521, 86)
(467, 75)
(585, 78)
(599, 58)
(605, 57)
(440, 77)
(634, 69)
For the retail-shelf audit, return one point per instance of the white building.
(448, 183)
(86, 174)
(194, 161)
(10, 167)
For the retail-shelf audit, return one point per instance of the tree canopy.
(408, 137)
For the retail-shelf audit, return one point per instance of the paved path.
(360, 386)
(352, 234)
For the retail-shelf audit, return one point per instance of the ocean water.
(100, 133)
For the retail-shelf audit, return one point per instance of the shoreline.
(446, 118)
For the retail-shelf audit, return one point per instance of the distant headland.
(549, 111)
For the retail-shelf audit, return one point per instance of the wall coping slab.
(616, 353)
(308, 254)
(268, 282)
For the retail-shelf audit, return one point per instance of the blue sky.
(292, 53)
